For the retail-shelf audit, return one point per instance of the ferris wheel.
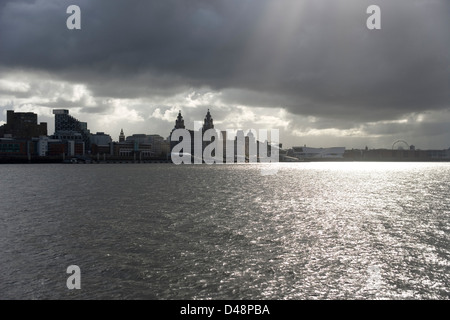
(400, 145)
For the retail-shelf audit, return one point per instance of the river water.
(347, 230)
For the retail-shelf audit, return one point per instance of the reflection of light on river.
(160, 231)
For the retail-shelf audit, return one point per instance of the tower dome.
(208, 123)
(179, 123)
(121, 136)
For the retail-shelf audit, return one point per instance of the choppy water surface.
(160, 231)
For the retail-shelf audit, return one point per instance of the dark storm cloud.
(313, 57)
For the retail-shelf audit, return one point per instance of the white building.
(316, 153)
(42, 146)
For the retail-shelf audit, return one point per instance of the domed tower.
(208, 123)
(179, 123)
(121, 136)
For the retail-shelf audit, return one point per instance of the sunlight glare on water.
(311, 231)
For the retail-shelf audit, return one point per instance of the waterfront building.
(244, 144)
(22, 125)
(159, 144)
(121, 136)
(208, 122)
(39, 147)
(10, 147)
(74, 141)
(179, 124)
(439, 154)
(100, 139)
(133, 149)
(153, 142)
(67, 128)
(42, 146)
(136, 146)
(316, 153)
(411, 154)
(137, 138)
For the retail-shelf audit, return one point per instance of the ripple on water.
(312, 231)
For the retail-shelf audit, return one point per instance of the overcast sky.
(310, 68)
